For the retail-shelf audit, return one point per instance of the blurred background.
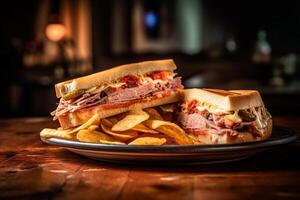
(223, 44)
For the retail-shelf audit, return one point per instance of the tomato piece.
(192, 105)
(112, 89)
(131, 80)
(162, 75)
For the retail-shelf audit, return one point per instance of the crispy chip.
(92, 136)
(68, 130)
(95, 120)
(93, 127)
(154, 114)
(170, 129)
(106, 123)
(123, 136)
(170, 141)
(114, 119)
(53, 133)
(167, 108)
(148, 141)
(194, 140)
(133, 118)
(167, 116)
(144, 129)
(104, 136)
(110, 142)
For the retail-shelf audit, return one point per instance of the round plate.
(190, 154)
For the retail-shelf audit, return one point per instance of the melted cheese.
(103, 87)
(211, 108)
(69, 87)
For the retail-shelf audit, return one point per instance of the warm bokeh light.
(55, 32)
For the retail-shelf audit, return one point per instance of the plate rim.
(289, 137)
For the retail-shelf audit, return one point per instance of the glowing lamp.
(55, 32)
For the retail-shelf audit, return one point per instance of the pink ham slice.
(193, 121)
(123, 95)
(131, 93)
(219, 120)
(196, 123)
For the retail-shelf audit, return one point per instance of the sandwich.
(117, 90)
(213, 116)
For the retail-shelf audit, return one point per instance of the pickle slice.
(246, 116)
(73, 94)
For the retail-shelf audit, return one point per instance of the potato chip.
(123, 136)
(167, 108)
(148, 141)
(93, 127)
(53, 133)
(133, 118)
(106, 123)
(167, 116)
(169, 140)
(104, 136)
(95, 120)
(92, 136)
(144, 129)
(114, 119)
(68, 130)
(110, 142)
(194, 140)
(154, 114)
(170, 129)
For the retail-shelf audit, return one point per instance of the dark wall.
(244, 19)
(17, 18)
(280, 19)
(16, 26)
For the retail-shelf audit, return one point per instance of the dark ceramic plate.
(185, 154)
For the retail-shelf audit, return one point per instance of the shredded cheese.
(146, 79)
(211, 108)
(99, 89)
(262, 117)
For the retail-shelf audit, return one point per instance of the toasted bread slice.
(229, 100)
(113, 74)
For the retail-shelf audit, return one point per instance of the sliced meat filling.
(202, 121)
(131, 93)
(117, 95)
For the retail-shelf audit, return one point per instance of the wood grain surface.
(30, 169)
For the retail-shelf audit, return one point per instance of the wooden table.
(30, 169)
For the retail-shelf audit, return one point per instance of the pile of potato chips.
(136, 127)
